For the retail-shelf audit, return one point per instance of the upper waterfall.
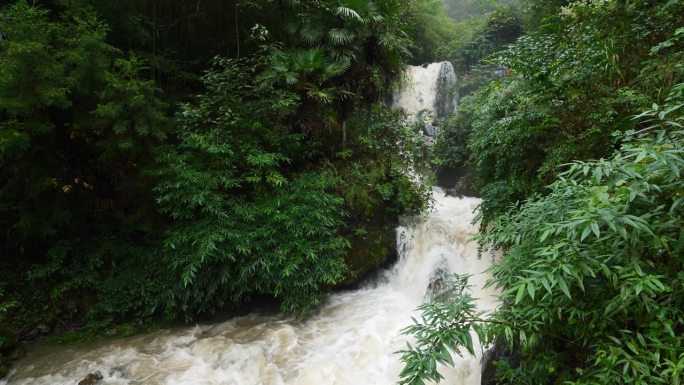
(428, 87)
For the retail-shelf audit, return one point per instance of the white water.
(350, 341)
(426, 88)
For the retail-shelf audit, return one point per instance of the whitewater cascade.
(428, 87)
(351, 340)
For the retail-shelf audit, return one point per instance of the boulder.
(91, 379)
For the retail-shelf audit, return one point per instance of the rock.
(33, 333)
(457, 181)
(117, 372)
(91, 379)
(369, 252)
(30, 335)
(497, 353)
(438, 287)
(431, 130)
(446, 97)
(488, 368)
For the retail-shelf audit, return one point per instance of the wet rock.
(370, 251)
(446, 98)
(35, 332)
(497, 353)
(30, 334)
(438, 287)
(117, 372)
(457, 181)
(91, 379)
(488, 367)
(431, 130)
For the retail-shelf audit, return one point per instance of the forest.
(172, 161)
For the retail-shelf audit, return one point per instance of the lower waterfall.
(352, 340)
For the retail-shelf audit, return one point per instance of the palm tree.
(360, 39)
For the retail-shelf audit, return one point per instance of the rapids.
(350, 341)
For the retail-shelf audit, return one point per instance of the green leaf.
(564, 287)
(585, 233)
(531, 290)
(595, 229)
(520, 293)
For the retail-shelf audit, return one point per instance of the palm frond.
(308, 60)
(348, 13)
(334, 69)
(311, 34)
(340, 36)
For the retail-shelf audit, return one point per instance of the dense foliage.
(482, 36)
(77, 126)
(460, 10)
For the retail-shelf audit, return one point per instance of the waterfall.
(350, 341)
(428, 88)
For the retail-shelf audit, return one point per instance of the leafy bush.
(245, 222)
(122, 205)
(486, 35)
(445, 325)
